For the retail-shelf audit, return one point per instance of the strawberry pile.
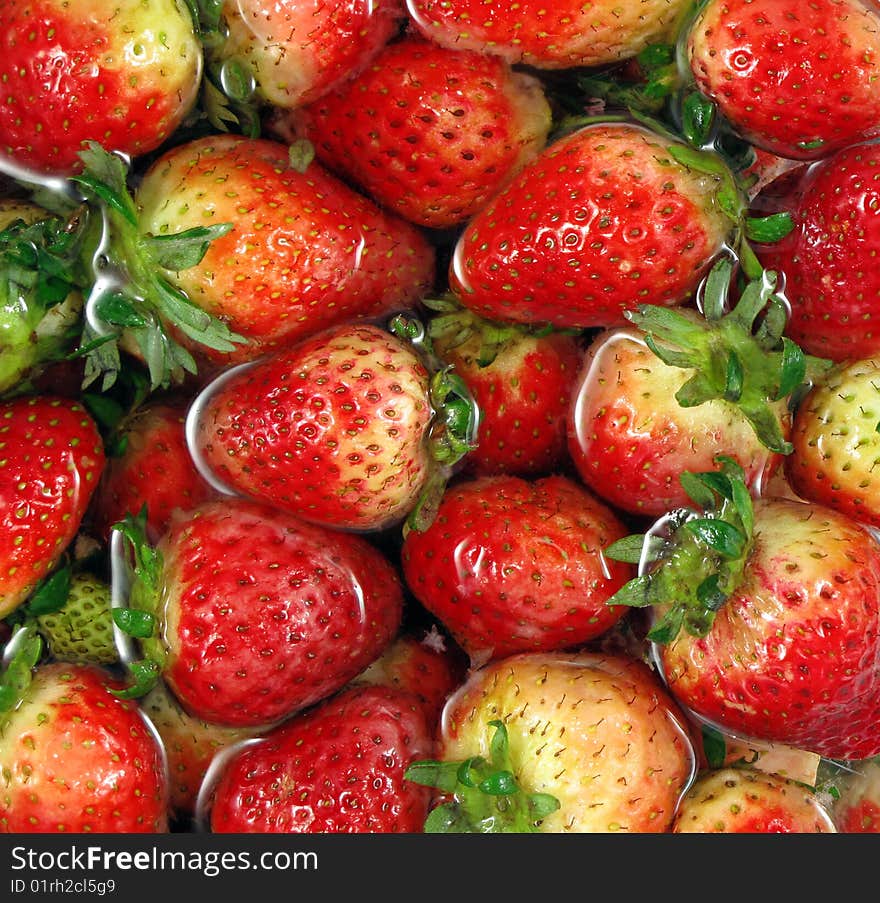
(440, 416)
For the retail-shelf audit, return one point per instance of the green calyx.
(139, 618)
(129, 292)
(453, 429)
(487, 797)
(689, 576)
(740, 356)
(18, 673)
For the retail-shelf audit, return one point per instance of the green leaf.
(51, 595)
(668, 626)
(135, 623)
(794, 368)
(710, 594)
(696, 391)
(697, 490)
(19, 672)
(182, 250)
(698, 118)
(634, 594)
(714, 746)
(717, 289)
(145, 675)
(630, 549)
(769, 229)
(434, 773)
(717, 535)
(118, 310)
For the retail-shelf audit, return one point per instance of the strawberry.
(428, 667)
(81, 631)
(289, 53)
(799, 80)
(747, 801)
(684, 387)
(304, 251)
(428, 132)
(251, 614)
(856, 805)
(52, 458)
(336, 769)
(522, 381)
(335, 429)
(559, 743)
(125, 76)
(561, 36)
(149, 464)
(511, 565)
(77, 758)
(191, 747)
(602, 220)
(829, 261)
(767, 617)
(836, 444)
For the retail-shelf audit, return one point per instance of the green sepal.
(134, 623)
(18, 673)
(630, 549)
(145, 675)
(717, 535)
(51, 594)
(714, 746)
(698, 115)
(488, 797)
(768, 229)
(182, 250)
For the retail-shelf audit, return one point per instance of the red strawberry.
(153, 467)
(768, 616)
(562, 743)
(510, 565)
(297, 51)
(304, 252)
(123, 75)
(830, 260)
(798, 79)
(522, 382)
(747, 801)
(430, 133)
(560, 36)
(836, 443)
(259, 614)
(52, 458)
(76, 758)
(856, 808)
(191, 746)
(602, 220)
(333, 429)
(630, 438)
(428, 667)
(336, 769)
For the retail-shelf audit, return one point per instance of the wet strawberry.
(52, 458)
(336, 769)
(124, 76)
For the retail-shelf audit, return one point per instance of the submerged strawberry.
(52, 458)
(798, 79)
(428, 132)
(77, 758)
(337, 429)
(251, 614)
(609, 217)
(336, 769)
(123, 75)
(563, 35)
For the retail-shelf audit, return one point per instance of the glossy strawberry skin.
(264, 614)
(297, 51)
(523, 397)
(306, 252)
(430, 133)
(829, 261)
(747, 801)
(336, 769)
(52, 459)
(792, 655)
(629, 438)
(333, 429)
(795, 79)
(601, 221)
(78, 759)
(836, 443)
(512, 565)
(93, 73)
(154, 468)
(558, 36)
